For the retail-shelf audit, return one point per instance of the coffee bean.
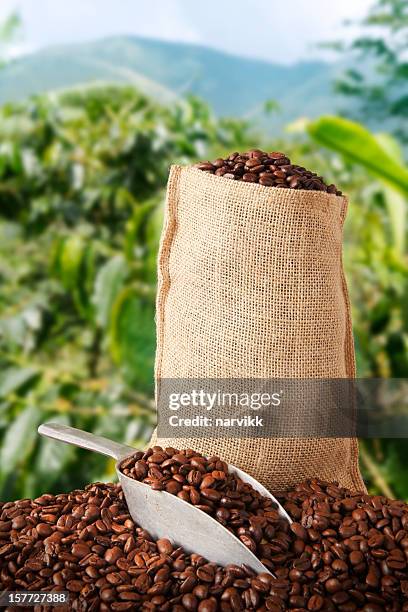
(113, 554)
(205, 573)
(208, 605)
(44, 530)
(332, 585)
(157, 458)
(156, 485)
(207, 482)
(272, 169)
(299, 531)
(279, 174)
(267, 180)
(315, 603)
(80, 550)
(249, 177)
(221, 171)
(194, 477)
(356, 557)
(190, 602)
(255, 153)
(74, 585)
(173, 487)
(211, 494)
(206, 166)
(164, 546)
(18, 522)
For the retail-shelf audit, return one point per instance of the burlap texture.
(251, 284)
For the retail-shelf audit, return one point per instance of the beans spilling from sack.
(269, 169)
(345, 551)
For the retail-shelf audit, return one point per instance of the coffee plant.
(81, 193)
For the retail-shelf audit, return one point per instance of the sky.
(272, 30)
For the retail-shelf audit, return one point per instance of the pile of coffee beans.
(86, 543)
(344, 551)
(269, 169)
(350, 547)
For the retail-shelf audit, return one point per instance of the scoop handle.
(84, 439)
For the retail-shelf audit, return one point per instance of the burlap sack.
(251, 284)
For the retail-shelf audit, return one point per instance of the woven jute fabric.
(251, 285)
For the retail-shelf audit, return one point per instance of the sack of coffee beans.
(251, 285)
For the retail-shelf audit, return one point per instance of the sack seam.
(350, 364)
(166, 243)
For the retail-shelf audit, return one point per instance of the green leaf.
(69, 256)
(109, 282)
(70, 260)
(358, 145)
(391, 146)
(135, 227)
(397, 213)
(19, 440)
(394, 200)
(132, 334)
(85, 284)
(73, 261)
(13, 379)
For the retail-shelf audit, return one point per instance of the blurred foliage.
(378, 80)
(379, 260)
(81, 192)
(82, 179)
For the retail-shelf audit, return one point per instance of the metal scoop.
(164, 515)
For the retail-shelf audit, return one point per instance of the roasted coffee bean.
(316, 602)
(173, 487)
(249, 177)
(208, 605)
(190, 602)
(268, 169)
(44, 530)
(164, 546)
(267, 180)
(206, 166)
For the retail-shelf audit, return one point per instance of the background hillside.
(232, 85)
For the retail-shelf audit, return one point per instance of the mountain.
(232, 85)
